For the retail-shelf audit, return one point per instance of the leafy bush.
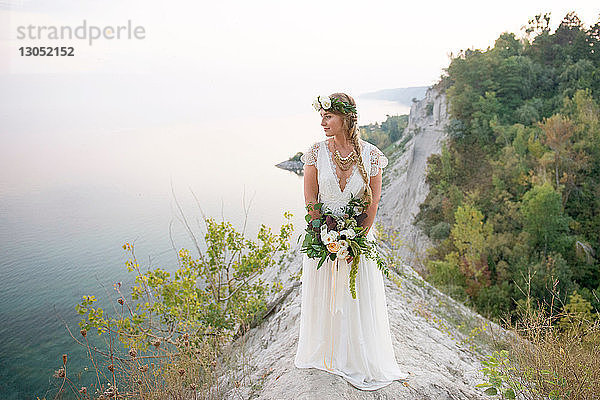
(440, 231)
(182, 319)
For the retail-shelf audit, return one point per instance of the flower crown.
(328, 103)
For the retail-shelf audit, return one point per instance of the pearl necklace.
(344, 162)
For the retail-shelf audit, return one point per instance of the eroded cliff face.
(404, 186)
(439, 341)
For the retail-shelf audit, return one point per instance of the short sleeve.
(378, 160)
(310, 156)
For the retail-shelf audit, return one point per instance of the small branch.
(270, 307)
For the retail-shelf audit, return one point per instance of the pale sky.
(363, 45)
(243, 73)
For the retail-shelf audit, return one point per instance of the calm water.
(88, 164)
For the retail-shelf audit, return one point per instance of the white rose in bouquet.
(342, 254)
(349, 233)
(329, 237)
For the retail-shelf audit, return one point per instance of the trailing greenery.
(514, 194)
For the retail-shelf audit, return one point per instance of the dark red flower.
(361, 218)
(331, 223)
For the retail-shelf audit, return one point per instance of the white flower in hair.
(325, 102)
(316, 104)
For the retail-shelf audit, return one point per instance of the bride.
(345, 336)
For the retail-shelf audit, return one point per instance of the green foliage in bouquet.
(341, 236)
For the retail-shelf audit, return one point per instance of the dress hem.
(375, 386)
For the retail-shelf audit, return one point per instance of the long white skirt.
(345, 336)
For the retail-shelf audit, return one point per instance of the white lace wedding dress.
(345, 336)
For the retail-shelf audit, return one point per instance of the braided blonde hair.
(350, 126)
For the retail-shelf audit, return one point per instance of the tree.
(581, 75)
(472, 238)
(538, 25)
(543, 217)
(568, 29)
(578, 314)
(572, 36)
(558, 130)
(507, 45)
(517, 76)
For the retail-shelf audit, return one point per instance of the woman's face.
(332, 124)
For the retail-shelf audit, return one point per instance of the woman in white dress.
(345, 336)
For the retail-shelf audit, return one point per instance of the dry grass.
(556, 364)
(184, 369)
(555, 355)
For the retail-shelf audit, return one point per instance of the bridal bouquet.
(341, 238)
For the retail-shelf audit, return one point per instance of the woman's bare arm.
(372, 209)
(311, 188)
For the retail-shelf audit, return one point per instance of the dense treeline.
(514, 205)
(384, 134)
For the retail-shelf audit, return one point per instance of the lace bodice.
(330, 192)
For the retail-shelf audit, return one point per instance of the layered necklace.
(345, 163)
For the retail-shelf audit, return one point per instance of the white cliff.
(405, 186)
(439, 341)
